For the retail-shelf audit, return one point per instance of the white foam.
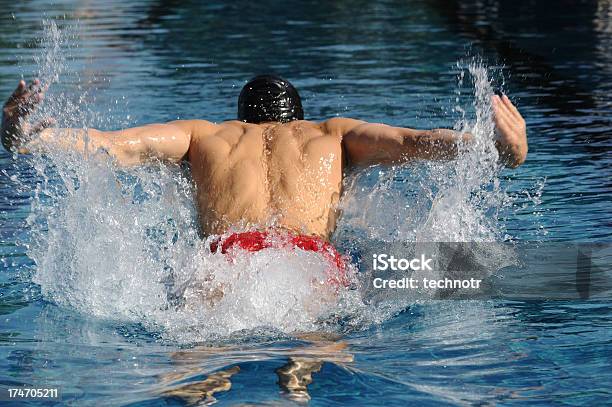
(123, 245)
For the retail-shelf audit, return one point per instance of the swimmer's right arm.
(167, 142)
(376, 143)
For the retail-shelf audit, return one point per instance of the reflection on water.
(391, 61)
(203, 391)
(293, 377)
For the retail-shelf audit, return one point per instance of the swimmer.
(270, 166)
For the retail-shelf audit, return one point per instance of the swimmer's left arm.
(374, 143)
(164, 141)
(167, 142)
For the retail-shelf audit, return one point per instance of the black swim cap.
(269, 98)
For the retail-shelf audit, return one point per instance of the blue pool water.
(85, 248)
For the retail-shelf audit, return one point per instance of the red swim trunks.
(254, 241)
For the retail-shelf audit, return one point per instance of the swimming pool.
(64, 324)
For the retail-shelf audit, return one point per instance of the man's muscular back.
(272, 174)
(282, 172)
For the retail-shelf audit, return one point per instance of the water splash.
(123, 245)
(456, 201)
(453, 201)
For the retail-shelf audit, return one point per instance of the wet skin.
(282, 175)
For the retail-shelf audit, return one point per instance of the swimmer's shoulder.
(339, 126)
(196, 128)
(336, 126)
(199, 129)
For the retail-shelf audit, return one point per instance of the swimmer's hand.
(16, 131)
(511, 140)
